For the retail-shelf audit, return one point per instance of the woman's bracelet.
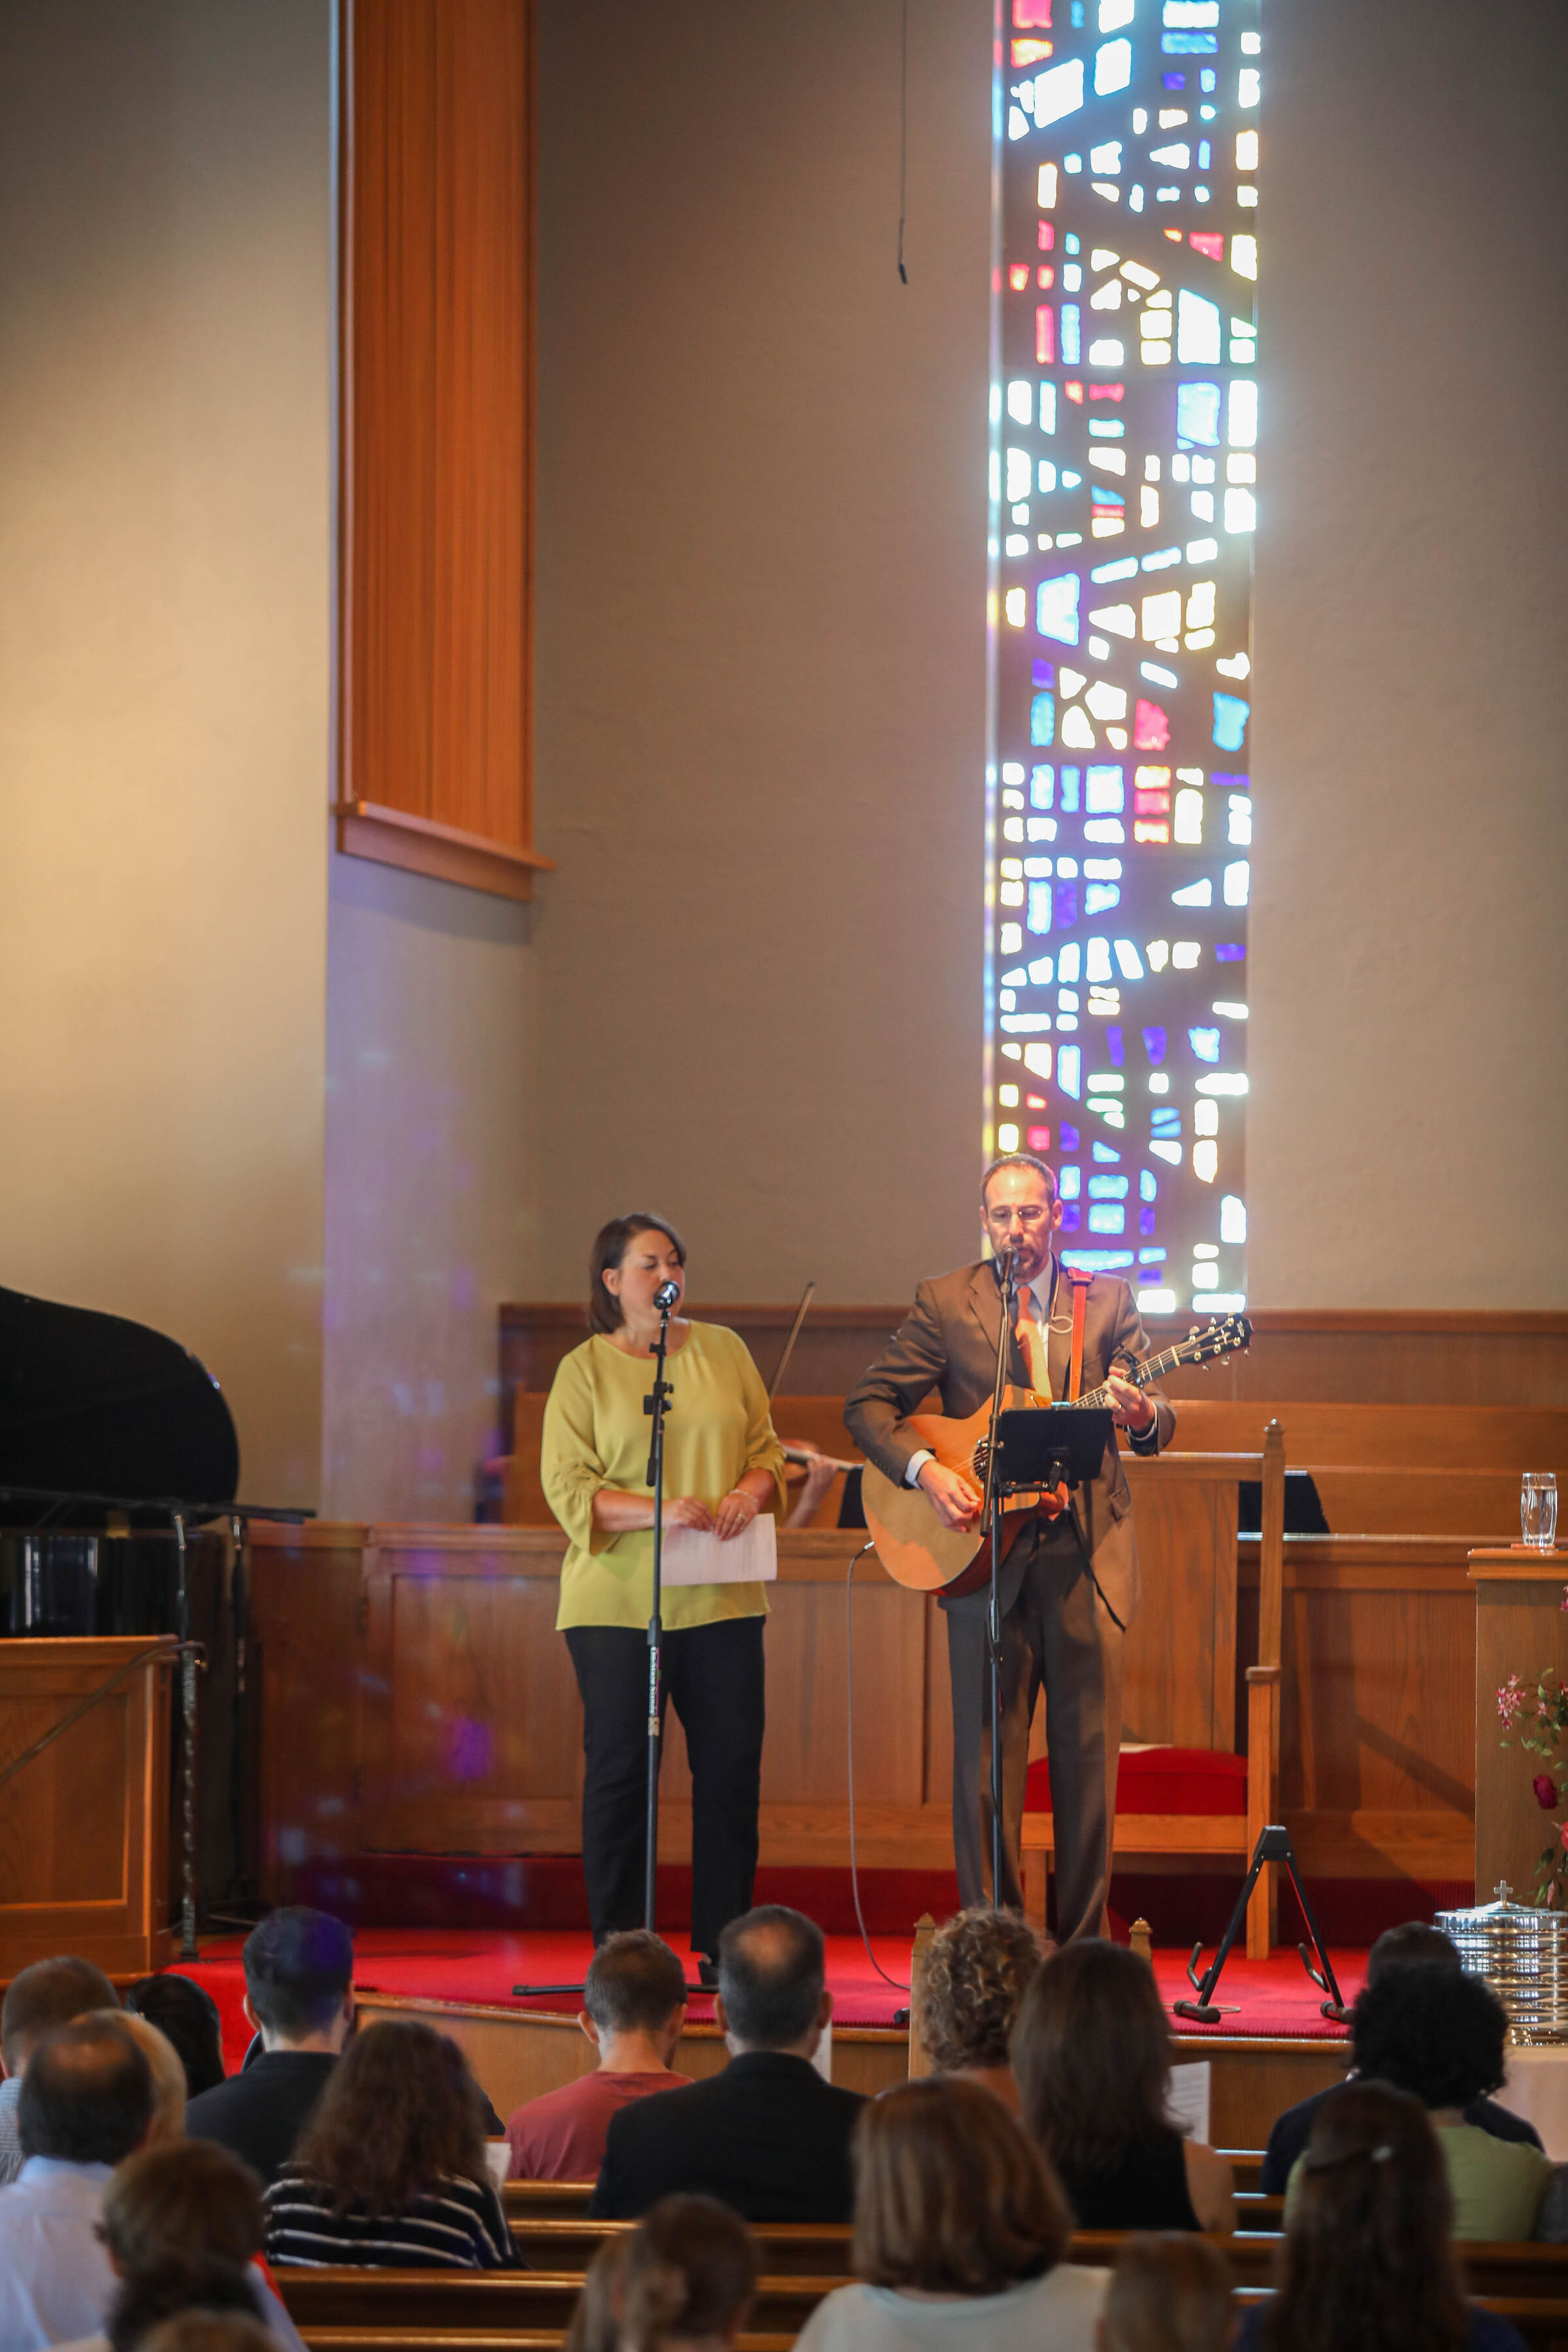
(744, 1494)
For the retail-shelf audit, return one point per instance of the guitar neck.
(1137, 1375)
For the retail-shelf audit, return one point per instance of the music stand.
(1050, 1446)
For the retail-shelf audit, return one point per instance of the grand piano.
(118, 1468)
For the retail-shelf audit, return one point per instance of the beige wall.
(164, 597)
(430, 1181)
(759, 652)
(761, 636)
(1409, 1130)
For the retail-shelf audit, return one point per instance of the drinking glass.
(1538, 1508)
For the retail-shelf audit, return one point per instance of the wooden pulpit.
(1519, 1630)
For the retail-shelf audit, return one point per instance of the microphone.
(666, 1295)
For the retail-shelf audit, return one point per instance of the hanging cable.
(850, 1743)
(904, 133)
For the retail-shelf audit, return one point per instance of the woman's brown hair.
(1170, 2292)
(978, 1968)
(1091, 2051)
(950, 2196)
(611, 1244)
(1368, 2262)
(688, 2270)
(181, 2198)
(400, 2110)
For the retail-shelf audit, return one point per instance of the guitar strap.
(1080, 1278)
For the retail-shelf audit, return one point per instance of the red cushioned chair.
(1199, 1802)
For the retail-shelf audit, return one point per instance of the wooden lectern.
(1520, 1629)
(84, 1825)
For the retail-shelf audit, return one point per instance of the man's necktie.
(1033, 1341)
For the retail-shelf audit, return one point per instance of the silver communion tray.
(1521, 1951)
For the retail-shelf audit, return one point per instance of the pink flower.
(1565, 1596)
(1545, 1792)
(1510, 1700)
(1564, 1836)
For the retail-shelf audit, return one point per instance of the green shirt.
(596, 1435)
(1497, 2184)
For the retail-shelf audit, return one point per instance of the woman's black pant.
(713, 1675)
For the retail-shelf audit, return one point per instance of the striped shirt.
(454, 2225)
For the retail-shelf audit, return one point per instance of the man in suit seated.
(768, 2135)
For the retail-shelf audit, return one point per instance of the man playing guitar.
(1068, 1583)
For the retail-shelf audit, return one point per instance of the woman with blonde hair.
(959, 2226)
(1091, 2051)
(1169, 2293)
(685, 2276)
(977, 1969)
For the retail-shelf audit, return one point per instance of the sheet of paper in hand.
(697, 1556)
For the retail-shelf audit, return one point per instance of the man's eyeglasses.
(1028, 1216)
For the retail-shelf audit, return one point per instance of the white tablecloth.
(1537, 2089)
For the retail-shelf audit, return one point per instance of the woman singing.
(722, 1465)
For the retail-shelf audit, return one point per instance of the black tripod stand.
(1273, 1845)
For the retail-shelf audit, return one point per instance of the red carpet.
(1259, 1998)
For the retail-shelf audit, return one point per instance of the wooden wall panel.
(1519, 1630)
(1327, 1355)
(308, 1662)
(438, 439)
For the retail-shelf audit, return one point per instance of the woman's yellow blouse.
(596, 1435)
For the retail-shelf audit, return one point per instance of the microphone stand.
(658, 1404)
(992, 1514)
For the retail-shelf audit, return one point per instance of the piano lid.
(94, 1404)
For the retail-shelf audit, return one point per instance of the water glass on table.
(1538, 1508)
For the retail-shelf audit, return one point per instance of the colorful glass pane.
(1128, 150)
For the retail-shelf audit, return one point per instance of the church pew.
(541, 2200)
(493, 2302)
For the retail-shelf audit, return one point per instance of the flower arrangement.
(1541, 1728)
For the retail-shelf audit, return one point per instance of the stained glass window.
(1123, 500)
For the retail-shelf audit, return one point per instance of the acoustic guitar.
(913, 1544)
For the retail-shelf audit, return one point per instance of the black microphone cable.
(850, 1743)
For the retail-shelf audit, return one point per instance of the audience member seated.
(391, 2171)
(960, 2231)
(634, 2010)
(185, 2201)
(188, 2015)
(768, 2135)
(1368, 2262)
(1091, 2051)
(684, 2277)
(1169, 2293)
(37, 1998)
(163, 2301)
(978, 1968)
(164, 2065)
(299, 1968)
(1439, 2035)
(1406, 1946)
(205, 2331)
(87, 2101)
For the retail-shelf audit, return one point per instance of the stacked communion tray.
(1521, 1951)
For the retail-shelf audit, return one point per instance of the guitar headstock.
(1232, 1336)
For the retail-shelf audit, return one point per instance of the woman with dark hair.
(1368, 2262)
(722, 1467)
(186, 2013)
(685, 2276)
(390, 2171)
(960, 2231)
(1438, 2034)
(1091, 2051)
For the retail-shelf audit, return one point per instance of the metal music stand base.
(1273, 1845)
